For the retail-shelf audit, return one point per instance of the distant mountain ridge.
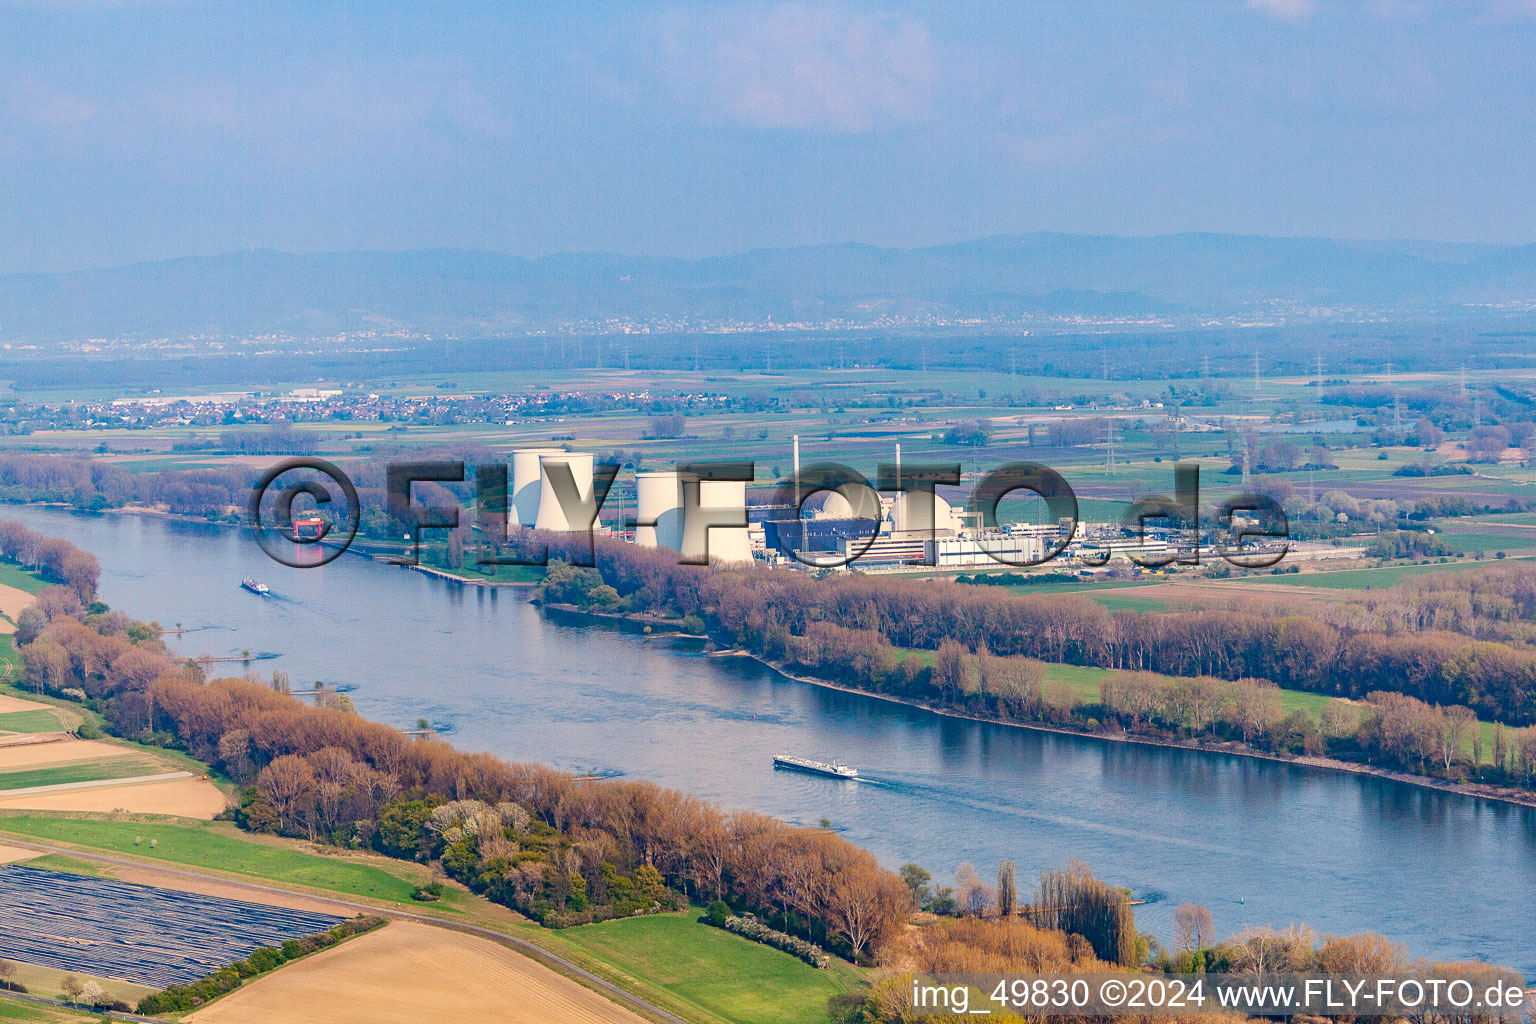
(486, 294)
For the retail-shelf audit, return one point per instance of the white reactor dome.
(909, 511)
(865, 504)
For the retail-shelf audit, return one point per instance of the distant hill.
(480, 294)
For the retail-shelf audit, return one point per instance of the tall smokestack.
(797, 492)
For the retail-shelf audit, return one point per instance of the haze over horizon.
(133, 132)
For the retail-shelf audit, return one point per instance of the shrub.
(749, 927)
(719, 912)
(429, 893)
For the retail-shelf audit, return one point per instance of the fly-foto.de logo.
(304, 512)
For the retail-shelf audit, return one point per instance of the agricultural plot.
(148, 936)
(81, 771)
(41, 720)
(12, 601)
(412, 972)
(10, 705)
(164, 793)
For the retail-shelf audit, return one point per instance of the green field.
(30, 1013)
(30, 721)
(13, 575)
(217, 846)
(1362, 579)
(1115, 601)
(10, 660)
(1490, 541)
(84, 771)
(706, 975)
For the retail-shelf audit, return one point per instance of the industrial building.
(855, 526)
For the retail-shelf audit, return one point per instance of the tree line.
(529, 836)
(561, 848)
(52, 557)
(848, 643)
(1340, 652)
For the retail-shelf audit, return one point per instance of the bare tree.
(1456, 724)
(1361, 953)
(1339, 718)
(1264, 950)
(974, 895)
(1192, 927)
(71, 986)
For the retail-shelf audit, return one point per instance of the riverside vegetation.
(1406, 673)
(569, 851)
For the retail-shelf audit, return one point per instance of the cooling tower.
(660, 502)
(524, 506)
(551, 516)
(726, 543)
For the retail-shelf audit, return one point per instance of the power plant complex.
(552, 490)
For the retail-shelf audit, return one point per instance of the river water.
(1257, 842)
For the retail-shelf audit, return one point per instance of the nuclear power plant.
(674, 510)
(695, 517)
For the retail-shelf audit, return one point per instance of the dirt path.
(410, 972)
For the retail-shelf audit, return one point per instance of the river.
(1257, 842)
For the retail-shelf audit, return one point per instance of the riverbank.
(1482, 791)
(671, 627)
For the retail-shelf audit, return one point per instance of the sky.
(138, 130)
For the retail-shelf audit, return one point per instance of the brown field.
(12, 854)
(36, 755)
(12, 601)
(160, 879)
(408, 973)
(9, 704)
(186, 798)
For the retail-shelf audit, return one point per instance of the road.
(523, 946)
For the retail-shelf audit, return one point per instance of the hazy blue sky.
(141, 130)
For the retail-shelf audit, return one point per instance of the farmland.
(218, 846)
(408, 973)
(706, 974)
(149, 936)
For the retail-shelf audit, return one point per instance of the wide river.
(1257, 842)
